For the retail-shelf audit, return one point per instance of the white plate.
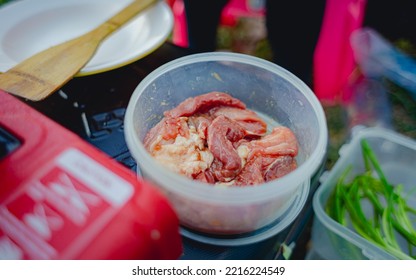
(30, 26)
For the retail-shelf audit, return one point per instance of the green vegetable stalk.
(391, 216)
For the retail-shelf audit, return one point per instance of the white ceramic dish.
(29, 26)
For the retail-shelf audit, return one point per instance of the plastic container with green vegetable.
(365, 206)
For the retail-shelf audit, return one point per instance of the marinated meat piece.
(268, 158)
(248, 119)
(281, 141)
(222, 133)
(263, 169)
(281, 166)
(205, 176)
(203, 103)
(201, 123)
(213, 138)
(252, 173)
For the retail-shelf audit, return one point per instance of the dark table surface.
(93, 107)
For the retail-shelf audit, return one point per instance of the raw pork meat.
(214, 138)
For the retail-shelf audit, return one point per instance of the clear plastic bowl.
(264, 87)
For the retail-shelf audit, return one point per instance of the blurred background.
(382, 100)
(387, 100)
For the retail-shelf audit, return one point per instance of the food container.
(63, 199)
(396, 155)
(209, 213)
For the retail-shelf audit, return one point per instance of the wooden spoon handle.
(112, 24)
(43, 73)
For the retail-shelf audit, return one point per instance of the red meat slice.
(280, 142)
(222, 133)
(263, 169)
(248, 119)
(270, 157)
(201, 124)
(203, 103)
(281, 166)
(251, 174)
(206, 176)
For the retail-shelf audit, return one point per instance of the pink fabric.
(229, 16)
(333, 57)
(241, 8)
(179, 33)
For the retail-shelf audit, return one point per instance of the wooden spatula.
(44, 73)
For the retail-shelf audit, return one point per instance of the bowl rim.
(199, 190)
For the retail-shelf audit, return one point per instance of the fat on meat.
(203, 103)
(165, 131)
(178, 146)
(249, 120)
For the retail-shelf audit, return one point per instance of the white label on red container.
(62, 209)
(107, 184)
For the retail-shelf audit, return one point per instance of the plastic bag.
(368, 104)
(379, 58)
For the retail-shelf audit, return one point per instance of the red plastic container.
(61, 198)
